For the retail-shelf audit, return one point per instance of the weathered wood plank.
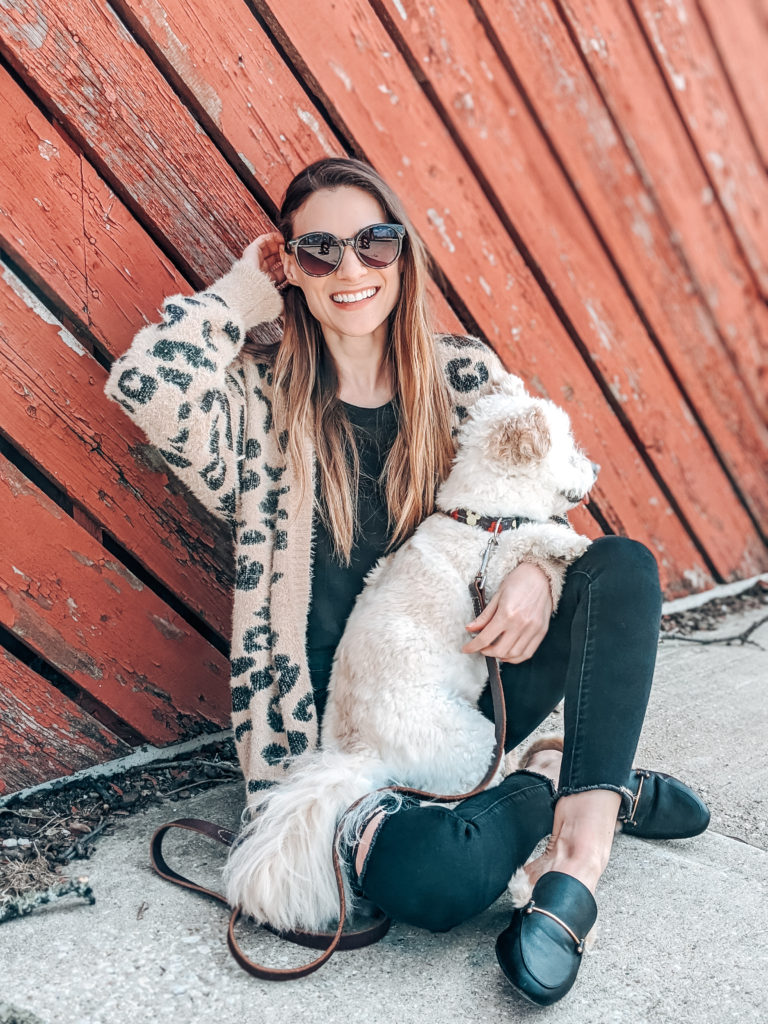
(53, 407)
(221, 58)
(88, 71)
(718, 339)
(739, 30)
(127, 274)
(472, 247)
(524, 177)
(69, 601)
(632, 89)
(45, 735)
(678, 38)
(70, 233)
(41, 144)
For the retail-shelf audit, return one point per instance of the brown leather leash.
(329, 942)
(314, 940)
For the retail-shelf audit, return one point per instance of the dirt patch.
(13, 1015)
(711, 616)
(41, 835)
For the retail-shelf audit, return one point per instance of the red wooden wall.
(589, 175)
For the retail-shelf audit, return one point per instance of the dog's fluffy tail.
(280, 870)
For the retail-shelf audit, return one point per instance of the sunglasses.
(319, 253)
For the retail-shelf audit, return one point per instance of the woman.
(323, 450)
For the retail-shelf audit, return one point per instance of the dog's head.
(519, 453)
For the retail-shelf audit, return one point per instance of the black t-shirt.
(335, 586)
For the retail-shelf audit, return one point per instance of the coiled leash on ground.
(329, 942)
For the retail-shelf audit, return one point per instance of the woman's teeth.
(354, 296)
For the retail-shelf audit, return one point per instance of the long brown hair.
(306, 401)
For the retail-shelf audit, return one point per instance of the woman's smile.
(355, 298)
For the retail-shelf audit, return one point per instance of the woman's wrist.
(553, 571)
(249, 293)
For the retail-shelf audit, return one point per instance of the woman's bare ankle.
(582, 837)
(586, 866)
(365, 841)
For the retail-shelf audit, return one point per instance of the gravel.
(41, 835)
(711, 616)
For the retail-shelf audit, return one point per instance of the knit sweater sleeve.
(471, 369)
(181, 381)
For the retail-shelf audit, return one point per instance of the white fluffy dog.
(402, 697)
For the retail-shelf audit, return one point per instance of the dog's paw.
(509, 764)
(520, 888)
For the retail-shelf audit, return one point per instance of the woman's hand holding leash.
(516, 619)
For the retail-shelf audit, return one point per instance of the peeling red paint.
(90, 649)
(44, 733)
(85, 446)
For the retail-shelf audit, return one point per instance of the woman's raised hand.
(264, 253)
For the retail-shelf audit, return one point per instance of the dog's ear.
(526, 437)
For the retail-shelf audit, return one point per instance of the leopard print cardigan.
(206, 407)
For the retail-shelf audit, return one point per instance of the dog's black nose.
(573, 497)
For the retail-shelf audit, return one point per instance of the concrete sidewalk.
(683, 927)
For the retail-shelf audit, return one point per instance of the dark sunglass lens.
(318, 254)
(378, 246)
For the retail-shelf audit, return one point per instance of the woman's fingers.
(264, 253)
(509, 645)
(504, 631)
(485, 615)
(483, 642)
(483, 626)
(516, 619)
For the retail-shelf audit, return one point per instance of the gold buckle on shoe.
(643, 776)
(531, 907)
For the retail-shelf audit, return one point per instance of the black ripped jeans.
(435, 867)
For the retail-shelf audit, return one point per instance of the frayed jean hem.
(538, 775)
(626, 794)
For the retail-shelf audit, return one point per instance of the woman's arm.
(181, 383)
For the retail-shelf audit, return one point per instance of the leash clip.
(493, 542)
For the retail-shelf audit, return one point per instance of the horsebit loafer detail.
(663, 807)
(540, 952)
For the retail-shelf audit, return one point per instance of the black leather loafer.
(663, 807)
(540, 952)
